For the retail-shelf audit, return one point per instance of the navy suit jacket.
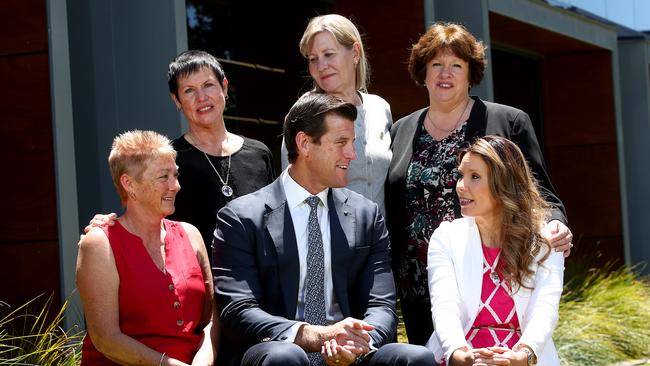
(256, 267)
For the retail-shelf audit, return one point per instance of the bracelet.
(162, 358)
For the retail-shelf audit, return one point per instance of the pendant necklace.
(226, 190)
(494, 276)
(457, 122)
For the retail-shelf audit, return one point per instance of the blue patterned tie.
(315, 281)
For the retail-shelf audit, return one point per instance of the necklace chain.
(215, 169)
(457, 122)
(494, 275)
(226, 190)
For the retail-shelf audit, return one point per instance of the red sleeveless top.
(160, 310)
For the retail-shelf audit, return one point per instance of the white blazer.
(455, 269)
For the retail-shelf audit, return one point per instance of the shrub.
(28, 338)
(604, 317)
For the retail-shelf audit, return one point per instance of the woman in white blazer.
(495, 284)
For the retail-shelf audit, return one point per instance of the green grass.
(35, 338)
(604, 318)
(401, 331)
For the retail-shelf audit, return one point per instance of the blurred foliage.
(604, 317)
(29, 337)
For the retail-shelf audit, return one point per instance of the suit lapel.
(280, 228)
(342, 233)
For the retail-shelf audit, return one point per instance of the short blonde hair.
(346, 34)
(130, 153)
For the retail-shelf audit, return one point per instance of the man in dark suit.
(301, 267)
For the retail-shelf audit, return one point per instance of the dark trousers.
(417, 321)
(277, 353)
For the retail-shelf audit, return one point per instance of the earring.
(226, 96)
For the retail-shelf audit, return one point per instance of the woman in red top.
(145, 282)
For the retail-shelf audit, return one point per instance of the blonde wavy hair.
(346, 34)
(524, 211)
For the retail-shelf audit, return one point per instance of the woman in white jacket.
(495, 284)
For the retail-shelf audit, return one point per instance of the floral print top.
(430, 185)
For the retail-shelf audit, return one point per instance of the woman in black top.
(214, 165)
(201, 196)
(420, 189)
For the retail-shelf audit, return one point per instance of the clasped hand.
(340, 343)
(488, 356)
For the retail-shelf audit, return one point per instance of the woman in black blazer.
(447, 60)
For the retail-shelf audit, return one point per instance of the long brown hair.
(523, 210)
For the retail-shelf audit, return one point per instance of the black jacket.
(485, 119)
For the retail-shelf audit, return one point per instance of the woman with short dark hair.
(216, 166)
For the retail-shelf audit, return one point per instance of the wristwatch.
(530, 355)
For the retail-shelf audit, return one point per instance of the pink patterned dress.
(496, 323)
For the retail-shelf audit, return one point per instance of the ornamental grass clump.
(604, 318)
(35, 338)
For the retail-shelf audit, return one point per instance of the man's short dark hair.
(308, 115)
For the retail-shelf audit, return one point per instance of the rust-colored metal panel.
(23, 27)
(389, 30)
(29, 211)
(594, 252)
(586, 177)
(579, 99)
(28, 270)
(577, 126)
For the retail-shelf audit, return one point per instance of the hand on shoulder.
(94, 238)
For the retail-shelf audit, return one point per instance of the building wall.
(28, 229)
(634, 61)
(576, 115)
(389, 33)
(581, 148)
(118, 52)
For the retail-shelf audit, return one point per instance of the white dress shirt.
(299, 209)
(367, 173)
